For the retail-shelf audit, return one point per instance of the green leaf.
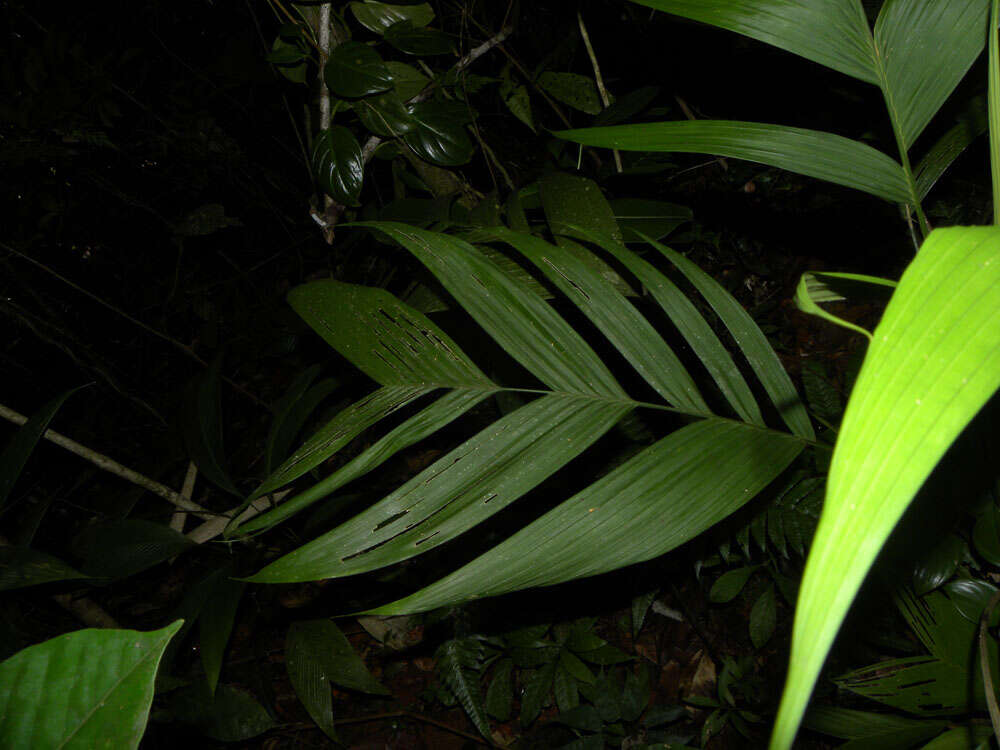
(730, 584)
(216, 625)
(848, 724)
(338, 164)
(565, 690)
(202, 423)
(292, 411)
(656, 219)
(627, 106)
(384, 114)
(518, 101)
(121, 548)
(461, 489)
(664, 496)
(21, 567)
(763, 617)
(816, 287)
(971, 124)
(834, 33)
(813, 153)
(438, 134)
(571, 201)
(231, 715)
(378, 17)
(20, 447)
(938, 564)
(407, 37)
(933, 362)
(536, 692)
(459, 664)
(500, 693)
(916, 83)
(986, 535)
(406, 80)
(354, 70)
(91, 688)
(578, 91)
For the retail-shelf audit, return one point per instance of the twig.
(599, 80)
(187, 490)
(215, 526)
(183, 347)
(86, 611)
(984, 665)
(103, 462)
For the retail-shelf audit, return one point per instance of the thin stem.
(599, 80)
(994, 109)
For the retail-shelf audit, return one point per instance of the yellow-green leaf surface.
(87, 689)
(815, 287)
(933, 363)
(813, 153)
(661, 498)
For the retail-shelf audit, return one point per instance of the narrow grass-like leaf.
(851, 724)
(461, 489)
(202, 423)
(923, 49)
(972, 123)
(17, 452)
(933, 362)
(289, 422)
(338, 432)
(614, 316)
(91, 688)
(428, 421)
(693, 327)
(751, 341)
(833, 33)
(216, 625)
(661, 498)
(521, 323)
(813, 153)
(993, 117)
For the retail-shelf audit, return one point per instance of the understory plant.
(934, 360)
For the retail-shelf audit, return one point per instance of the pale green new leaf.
(833, 33)
(813, 153)
(933, 363)
(924, 48)
(661, 498)
(87, 689)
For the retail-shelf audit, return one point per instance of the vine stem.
(599, 80)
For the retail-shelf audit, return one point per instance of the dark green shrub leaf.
(323, 642)
(406, 37)
(655, 219)
(627, 106)
(573, 89)
(216, 624)
(378, 17)
(586, 718)
(536, 692)
(986, 535)
(459, 665)
(230, 715)
(407, 81)
(763, 617)
(355, 70)
(338, 164)
(730, 583)
(938, 564)
(500, 693)
(117, 549)
(91, 688)
(202, 424)
(384, 115)
(518, 101)
(439, 133)
(565, 690)
(21, 566)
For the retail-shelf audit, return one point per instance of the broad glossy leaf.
(751, 341)
(578, 91)
(834, 33)
(517, 319)
(384, 114)
(661, 498)
(438, 134)
(86, 689)
(424, 424)
(355, 70)
(696, 331)
(933, 362)
(338, 164)
(925, 47)
(413, 40)
(202, 424)
(20, 447)
(21, 566)
(406, 80)
(614, 316)
(466, 486)
(378, 17)
(216, 625)
(120, 548)
(813, 153)
(655, 219)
